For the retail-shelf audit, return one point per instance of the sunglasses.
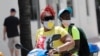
(47, 18)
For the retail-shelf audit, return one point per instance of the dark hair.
(12, 10)
(66, 11)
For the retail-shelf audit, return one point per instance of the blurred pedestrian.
(11, 24)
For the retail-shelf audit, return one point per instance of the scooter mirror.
(18, 46)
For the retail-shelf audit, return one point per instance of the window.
(70, 4)
(87, 7)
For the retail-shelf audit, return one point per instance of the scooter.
(34, 52)
(40, 52)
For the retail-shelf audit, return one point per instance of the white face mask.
(49, 24)
(66, 22)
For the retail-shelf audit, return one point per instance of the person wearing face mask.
(64, 16)
(52, 38)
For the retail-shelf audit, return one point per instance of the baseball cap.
(68, 9)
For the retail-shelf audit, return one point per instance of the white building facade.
(84, 14)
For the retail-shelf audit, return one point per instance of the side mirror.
(18, 46)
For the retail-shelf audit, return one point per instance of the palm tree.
(25, 29)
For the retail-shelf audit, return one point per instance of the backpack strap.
(70, 29)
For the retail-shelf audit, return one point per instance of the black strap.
(70, 29)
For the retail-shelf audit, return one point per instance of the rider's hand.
(52, 51)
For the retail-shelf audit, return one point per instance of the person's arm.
(4, 29)
(76, 37)
(4, 33)
(67, 46)
(36, 37)
(68, 43)
(18, 26)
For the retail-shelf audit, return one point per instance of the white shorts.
(12, 41)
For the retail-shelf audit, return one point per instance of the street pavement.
(4, 45)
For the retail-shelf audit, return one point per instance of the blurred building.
(84, 13)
